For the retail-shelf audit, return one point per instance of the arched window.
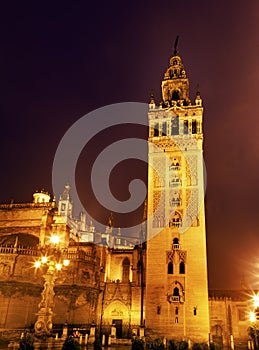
(175, 165)
(175, 94)
(194, 127)
(170, 268)
(185, 127)
(176, 240)
(176, 243)
(156, 130)
(175, 221)
(182, 267)
(175, 126)
(176, 292)
(164, 129)
(125, 270)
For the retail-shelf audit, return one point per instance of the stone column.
(103, 340)
(43, 324)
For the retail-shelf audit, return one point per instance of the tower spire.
(175, 85)
(110, 221)
(175, 45)
(152, 103)
(198, 100)
(198, 93)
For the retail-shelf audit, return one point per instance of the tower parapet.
(41, 197)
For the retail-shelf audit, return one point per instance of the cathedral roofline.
(9, 206)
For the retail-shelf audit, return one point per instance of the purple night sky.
(61, 60)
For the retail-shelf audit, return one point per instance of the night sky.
(61, 60)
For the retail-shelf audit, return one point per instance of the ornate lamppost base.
(43, 325)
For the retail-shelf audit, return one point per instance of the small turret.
(65, 204)
(91, 226)
(198, 100)
(107, 237)
(41, 197)
(152, 104)
(110, 225)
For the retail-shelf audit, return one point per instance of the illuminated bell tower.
(176, 303)
(65, 204)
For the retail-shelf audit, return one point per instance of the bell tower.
(176, 301)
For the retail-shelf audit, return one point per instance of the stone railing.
(27, 205)
(81, 255)
(18, 250)
(68, 254)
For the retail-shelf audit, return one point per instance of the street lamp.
(254, 317)
(52, 261)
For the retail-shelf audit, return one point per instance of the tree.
(177, 345)
(253, 332)
(71, 344)
(157, 344)
(200, 346)
(137, 344)
(26, 342)
(97, 344)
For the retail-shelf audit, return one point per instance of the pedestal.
(113, 331)
(43, 324)
(109, 341)
(92, 334)
(103, 340)
(65, 331)
(113, 334)
(142, 332)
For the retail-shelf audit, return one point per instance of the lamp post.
(52, 261)
(253, 317)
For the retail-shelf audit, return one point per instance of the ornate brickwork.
(175, 256)
(159, 208)
(159, 172)
(192, 209)
(191, 170)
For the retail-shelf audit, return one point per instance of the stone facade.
(229, 316)
(102, 284)
(25, 232)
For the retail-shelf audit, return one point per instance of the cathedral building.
(86, 279)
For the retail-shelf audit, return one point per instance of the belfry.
(176, 302)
